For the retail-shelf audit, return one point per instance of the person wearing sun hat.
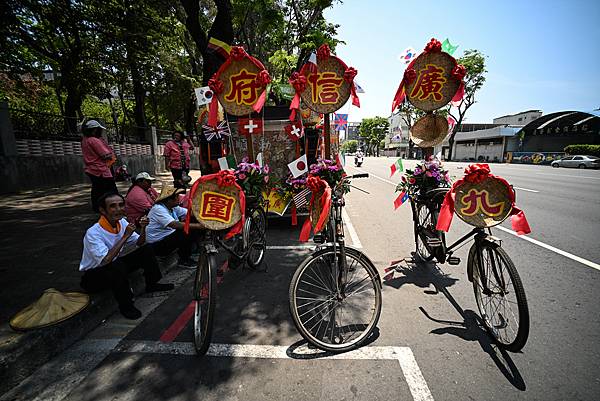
(140, 197)
(165, 230)
(98, 157)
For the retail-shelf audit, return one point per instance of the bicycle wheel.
(256, 240)
(329, 319)
(205, 288)
(501, 300)
(421, 223)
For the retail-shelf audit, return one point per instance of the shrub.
(592, 150)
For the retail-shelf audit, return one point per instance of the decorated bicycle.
(480, 199)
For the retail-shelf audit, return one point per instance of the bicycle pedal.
(453, 260)
(434, 242)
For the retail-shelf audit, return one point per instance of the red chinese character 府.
(430, 83)
(479, 201)
(216, 207)
(243, 88)
(325, 87)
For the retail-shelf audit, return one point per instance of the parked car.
(578, 161)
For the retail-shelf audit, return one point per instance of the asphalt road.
(430, 345)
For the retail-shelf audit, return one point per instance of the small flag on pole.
(299, 166)
(403, 197)
(397, 166)
(448, 48)
(358, 88)
(300, 199)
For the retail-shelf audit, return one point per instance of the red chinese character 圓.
(429, 83)
(217, 207)
(243, 88)
(479, 202)
(325, 87)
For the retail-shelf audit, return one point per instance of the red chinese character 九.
(325, 87)
(216, 207)
(243, 88)
(430, 83)
(479, 201)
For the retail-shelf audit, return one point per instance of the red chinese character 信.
(325, 87)
(243, 88)
(430, 83)
(479, 201)
(216, 207)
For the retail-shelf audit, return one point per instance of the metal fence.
(44, 126)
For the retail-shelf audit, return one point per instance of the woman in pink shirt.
(97, 157)
(177, 157)
(140, 197)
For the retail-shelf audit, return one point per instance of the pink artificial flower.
(266, 179)
(242, 176)
(428, 174)
(411, 180)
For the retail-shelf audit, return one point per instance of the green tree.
(474, 62)
(373, 131)
(350, 146)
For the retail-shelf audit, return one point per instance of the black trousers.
(115, 275)
(100, 186)
(177, 240)
(178, 176)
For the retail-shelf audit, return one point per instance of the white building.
(489, 144)
(522, 118)
(396, 141)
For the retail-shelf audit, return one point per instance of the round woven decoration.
(327, 66)
(434, 86)
(233, 104)
(485, 204)
(309, 118)
(429, 130)
(207, 189)
(315, 212)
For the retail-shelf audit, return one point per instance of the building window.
(520, 119)
(574, 129)
(566, 128)
(584, 127)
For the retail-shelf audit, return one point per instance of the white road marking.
(414, 378)
(526, 190)
(353, 235)
(570, 176)
(292, 247)
(553, 249)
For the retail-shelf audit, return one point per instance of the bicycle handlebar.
(362, 175)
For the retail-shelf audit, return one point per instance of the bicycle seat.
(436, 194)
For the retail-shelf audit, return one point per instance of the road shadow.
(418, 273)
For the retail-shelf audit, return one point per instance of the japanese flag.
(299, 166)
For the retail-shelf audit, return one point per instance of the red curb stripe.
(173, 331)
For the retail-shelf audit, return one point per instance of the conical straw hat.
(52, 307)
(429, 130)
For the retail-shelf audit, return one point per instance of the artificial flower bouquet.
(330, 172)
(252, 178)
(426, 175)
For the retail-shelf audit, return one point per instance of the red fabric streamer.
(213, 108)
(434, 46)
(409, 76)
(294, 216)
(224, 178)
(476, 173)
(349, 75)
(316, 185)
(298, 82)
(459, 72)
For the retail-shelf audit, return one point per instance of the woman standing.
(177, 157)
(98, 157)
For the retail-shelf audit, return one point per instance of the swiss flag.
(295, 131)
(250, 126)
(299, 166)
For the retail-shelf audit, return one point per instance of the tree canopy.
(373, 131)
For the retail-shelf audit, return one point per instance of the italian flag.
(397, 166)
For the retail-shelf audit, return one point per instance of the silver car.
(578, 161)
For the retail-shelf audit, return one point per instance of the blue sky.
(540, 54)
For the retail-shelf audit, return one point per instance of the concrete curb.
(22, 353)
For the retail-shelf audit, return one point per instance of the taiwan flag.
(403, 197)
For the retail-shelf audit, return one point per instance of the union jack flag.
(215, 132)
(341, 122)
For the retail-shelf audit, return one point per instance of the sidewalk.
(41, 236)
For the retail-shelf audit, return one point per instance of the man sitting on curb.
(165, 230)
(112, 249)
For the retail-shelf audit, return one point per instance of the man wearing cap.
(140, 197)
(112, 249)
(165, 230)
(97, 157)
(177, 157)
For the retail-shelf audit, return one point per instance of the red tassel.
(460, 93)
(213, 112)
(294, 216)
(446, 212)
(305, 232)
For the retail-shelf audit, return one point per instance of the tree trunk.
(451, 143)
(72, 108)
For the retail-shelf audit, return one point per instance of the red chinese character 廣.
(479, 202)
(216, 207)
(429, 83)
(243, 88)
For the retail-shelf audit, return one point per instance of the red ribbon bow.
(349, 74)
(263, 78)
(476, 173)
(237, 53)
(434, 46)
(317, 186)
(459, 72)
(298, 82)
(225, 178)
(323, 52)
(215, 85)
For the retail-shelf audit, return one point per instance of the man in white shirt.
(112, 249)
(165, 230)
